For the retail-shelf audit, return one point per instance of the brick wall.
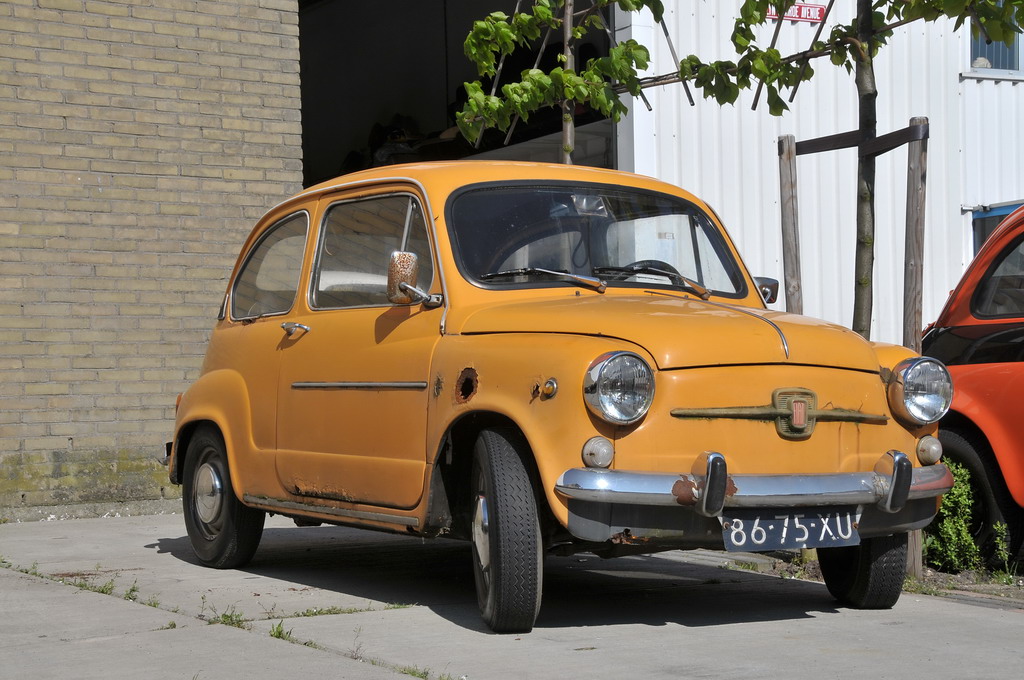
(139, 143)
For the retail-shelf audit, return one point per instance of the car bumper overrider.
(686, 510)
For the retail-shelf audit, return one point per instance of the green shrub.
(949, 540)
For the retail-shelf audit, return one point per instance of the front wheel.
(507, 544)
(224, 533)
(869, 575)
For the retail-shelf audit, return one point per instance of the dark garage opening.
(381, 83)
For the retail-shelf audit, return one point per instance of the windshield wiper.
(683, 281)
(587, 281)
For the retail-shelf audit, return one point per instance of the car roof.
(448, 175)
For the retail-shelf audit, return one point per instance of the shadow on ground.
(581, 590)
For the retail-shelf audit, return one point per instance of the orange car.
(545, 359)
(980, 336)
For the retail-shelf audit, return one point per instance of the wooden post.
(913, 258)
(790, 225)
(791, 248)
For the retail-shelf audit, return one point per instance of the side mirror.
(403, 269)
(768, 288)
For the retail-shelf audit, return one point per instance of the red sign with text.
(814, 14)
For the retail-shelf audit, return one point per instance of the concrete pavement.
(374, 605)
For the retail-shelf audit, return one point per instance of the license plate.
(756, 530)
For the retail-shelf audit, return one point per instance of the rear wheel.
(507, 545)
(224, 533)
(869, 575)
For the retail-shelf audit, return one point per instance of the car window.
(356, 242)
(504, 236)
(269, 279)
(682, 239)
(1001, 292)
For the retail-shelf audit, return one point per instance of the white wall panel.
(728, 156)
(994, 165)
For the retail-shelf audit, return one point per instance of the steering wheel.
(654, 264)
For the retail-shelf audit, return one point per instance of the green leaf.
(776, 104)
(954, 7)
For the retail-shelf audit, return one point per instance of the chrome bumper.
(709, 488)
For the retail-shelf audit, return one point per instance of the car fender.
(975, 401)
(507, 376)
(221, 397)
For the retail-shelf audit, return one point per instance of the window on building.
(985, 221)
(995, 55)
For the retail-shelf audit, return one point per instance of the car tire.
(507, 543)
(869, 575)
(992, 500)
(224, 533)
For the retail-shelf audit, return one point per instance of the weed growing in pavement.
(32, 571)
(132, 594)
(85, 584)
(414, 671)
(330, 611)
(278, 631)
(230, 618)
(1007, 575)
(356, 650)
(169, 626)
(912, 585)
(745, 566)
(152, 602)
(4, 564)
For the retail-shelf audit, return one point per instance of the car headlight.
(920, 390)
(619, 387)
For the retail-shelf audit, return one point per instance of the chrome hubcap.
(209, 494)
(480, 537)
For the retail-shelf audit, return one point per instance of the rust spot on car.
(626, 537)
(465, 386)
(730, 487)
(314, 490)
(685, 491)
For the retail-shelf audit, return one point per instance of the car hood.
(682, 332)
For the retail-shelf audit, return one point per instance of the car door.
(353, 387)
(249, 340)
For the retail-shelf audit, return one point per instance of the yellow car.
(546, 359)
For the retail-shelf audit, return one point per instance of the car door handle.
(290, 327)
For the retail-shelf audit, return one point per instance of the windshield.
(552, 235)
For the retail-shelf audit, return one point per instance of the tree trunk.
(568, 106)
(865, 251)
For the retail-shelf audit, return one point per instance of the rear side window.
(356, 242)
(1001, 292)
(269, 279)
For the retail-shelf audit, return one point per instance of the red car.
(980, 337)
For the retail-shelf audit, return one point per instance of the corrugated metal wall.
(993, 117)
(728, 156)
